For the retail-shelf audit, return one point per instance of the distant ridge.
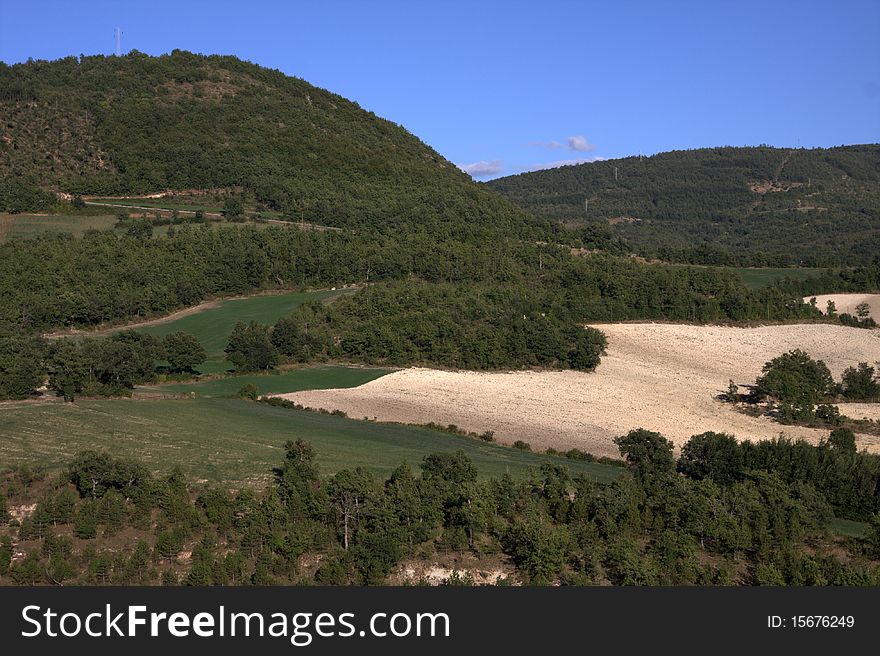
(754, 206)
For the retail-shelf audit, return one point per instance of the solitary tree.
(232, 207)
(795, 378)
(183, 351)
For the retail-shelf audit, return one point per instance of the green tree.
(232, 207)
(712, 455)
(350, 490)
(21, 366)
(299, 483)
(183, 351)
(795, 378)
(842, 440)
(648, 453)
(537, 547)
(250, 348)
(861, 383)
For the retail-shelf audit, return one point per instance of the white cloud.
(482, 168)
(553, 144)
(562, 162)
(580, 144)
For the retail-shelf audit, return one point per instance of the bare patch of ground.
(615, 220)
(772, 186)
(487, 571)
(860, 410)
(662, 377)
(846, 303)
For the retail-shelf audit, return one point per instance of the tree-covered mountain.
(746, 206)
(138, 124)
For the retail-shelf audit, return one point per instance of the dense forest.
(725, 513)
(139, 124)
(722, 206)
(107, 277)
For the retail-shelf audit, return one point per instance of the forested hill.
(751, 206)
(138, 124)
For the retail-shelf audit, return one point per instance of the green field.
(849, 528)
(757, 277)
(213, 325)
(25, 226)
(293, 380)
(228, 441)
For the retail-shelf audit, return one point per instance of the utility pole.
(586, 205)
(615, 174)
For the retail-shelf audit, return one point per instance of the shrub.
(248, 391)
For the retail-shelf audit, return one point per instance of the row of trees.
(89, 366)
(724, 513)
(464, 326)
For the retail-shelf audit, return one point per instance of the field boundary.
(208, 304)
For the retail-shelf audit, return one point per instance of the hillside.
(738, 206)
(139, 124)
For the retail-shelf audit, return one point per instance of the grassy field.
(292, 380)
(849, 528)
(756, 277)
(232, 442)
(25, 226)
(213, 325)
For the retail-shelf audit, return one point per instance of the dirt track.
(658, 376)
(174, 316)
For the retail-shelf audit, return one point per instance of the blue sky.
(512, 86)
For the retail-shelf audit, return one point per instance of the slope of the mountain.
(722, 205)
(138, 124)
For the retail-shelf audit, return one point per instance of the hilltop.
(738, 206)
(139, 124)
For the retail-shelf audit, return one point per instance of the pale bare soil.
(662, 377)
(846, 303)
(860, 410)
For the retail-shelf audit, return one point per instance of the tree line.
(106, 277)
(90, 366)
(725, 513)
